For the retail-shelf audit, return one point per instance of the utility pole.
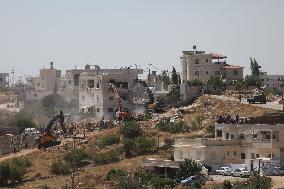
(73, 167)
(149, 76)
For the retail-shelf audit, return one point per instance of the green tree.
(254, 67)
(77, 156)
(130, 129)
(174, 97)
(165, 79)
(214, 84)
(174, 77)
(188, 168)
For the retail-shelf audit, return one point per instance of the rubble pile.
(4, 98)
(210, 108)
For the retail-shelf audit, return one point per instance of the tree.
(214, 84)
(174, 97)
(23, 123)
(174, 77)
(165, 79)
(130, 129)
(188, 168)
(254, 68)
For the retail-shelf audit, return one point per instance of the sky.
(112, 33)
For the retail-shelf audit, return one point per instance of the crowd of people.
(229, 119)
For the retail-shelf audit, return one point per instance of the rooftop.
(232, 67)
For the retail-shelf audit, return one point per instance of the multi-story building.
(235, 144)
(95, 96)
(46, 83)
(272, 81)
(4, 79)
(202, 66)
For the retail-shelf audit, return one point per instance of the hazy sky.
(128, 32)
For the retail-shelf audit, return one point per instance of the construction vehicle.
(151, 105)
(47, 139)
(260, 98)
(120, 113)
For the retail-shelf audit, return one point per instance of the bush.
(129, 183)
(188, 168)
(149, 179)
(60, 168)
(13, 170)
(172, 127)
(106, 157)
(77, 156)
(109, 140)
(138, 146)
(115, 174)
(195, 82)
(130, 129)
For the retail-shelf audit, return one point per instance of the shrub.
(77, 156)
(172, 127)
(195, 82)
(130, 129)
(60, 168)
(129, 182)
(106, 157)
(110, 140)
(149, 179)
(138, 146)
(13, 170)
(188, 168)
(115, 174)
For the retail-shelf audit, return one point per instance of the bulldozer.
(46, 138)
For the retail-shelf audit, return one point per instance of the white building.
(96, 98)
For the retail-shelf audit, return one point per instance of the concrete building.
(4, 79)
(202, 66)
(96, 98)
(235, 144)
(272, 81)
(48, 81)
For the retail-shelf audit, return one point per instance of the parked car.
(224, 171)
(241, 172)
(193, 179)
(278, 170)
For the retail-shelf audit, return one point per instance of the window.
(35, 95)
(232, 136)
(38, 84)
(206, 72)
(196, 61)
(242, 136)
(228, 153)
(42, 78)
(125, 85)
(91, 83)
(254, 135)
(219, 133)
(98, 85)
(70, 82)
(252, 156)
(110, 98)
(235, 153)
(243, 156)
(196, 73)
(227, 135)
(206, 60)
(180, 154)
(257, 155)
(110, 110)
(235, 72)
(98, 109)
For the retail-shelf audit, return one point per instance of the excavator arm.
(147, 89)
(53, 120)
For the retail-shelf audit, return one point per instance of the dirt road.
(18, 154)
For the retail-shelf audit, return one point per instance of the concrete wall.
(189, 92)
(4, 79)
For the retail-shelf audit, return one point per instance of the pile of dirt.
(207, 108)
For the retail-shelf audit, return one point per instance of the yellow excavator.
(47, 139)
